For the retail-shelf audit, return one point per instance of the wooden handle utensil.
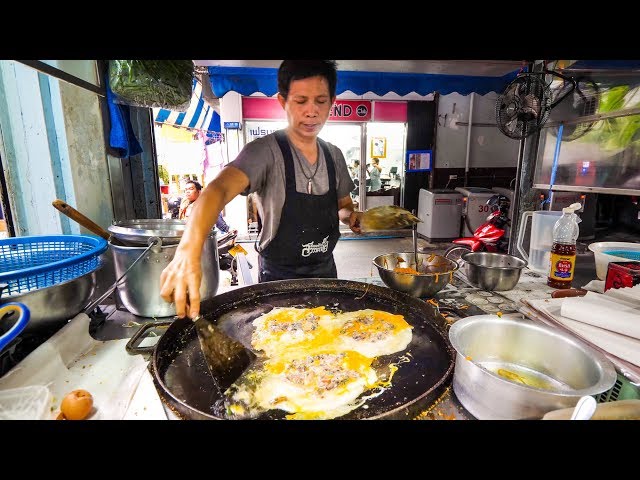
(86, 222)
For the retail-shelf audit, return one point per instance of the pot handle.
(131, 347)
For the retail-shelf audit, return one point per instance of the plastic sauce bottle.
(563, 251)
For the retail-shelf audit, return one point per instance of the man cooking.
(302, 184)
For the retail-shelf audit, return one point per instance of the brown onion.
(76, 405)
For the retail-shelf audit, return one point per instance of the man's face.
(191, 192)
(307, 106)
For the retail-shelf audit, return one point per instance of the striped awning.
(200, 115)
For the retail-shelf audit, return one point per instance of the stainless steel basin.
(510, 369)
(435, 272)
(58, 303)
(493, 271)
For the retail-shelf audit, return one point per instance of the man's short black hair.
(299, 69)
(195, 184)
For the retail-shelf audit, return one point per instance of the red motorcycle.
(488, 237)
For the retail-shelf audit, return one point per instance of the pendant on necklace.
(309, 187)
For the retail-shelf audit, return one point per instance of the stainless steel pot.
(516, 369)
(140, 288)
(493, 271)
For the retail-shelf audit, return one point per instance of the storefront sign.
(351, 111)
(260, 108)
(255, 129)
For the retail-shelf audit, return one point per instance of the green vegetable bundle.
(152, 83)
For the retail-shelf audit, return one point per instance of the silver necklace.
(304, 173)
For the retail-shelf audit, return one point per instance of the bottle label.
(562, 266)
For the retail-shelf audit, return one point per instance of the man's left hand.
(354, 222)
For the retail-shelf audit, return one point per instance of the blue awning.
(200, 115)
(249, 80)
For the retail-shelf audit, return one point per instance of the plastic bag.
(152, 83)
(25, 403)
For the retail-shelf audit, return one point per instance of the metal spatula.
(226, 358)
(387, 217)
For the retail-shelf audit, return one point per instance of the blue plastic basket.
(30, 263)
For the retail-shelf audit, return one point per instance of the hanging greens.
(152, 83)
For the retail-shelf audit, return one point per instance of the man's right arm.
(182, 277)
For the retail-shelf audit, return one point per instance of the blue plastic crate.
(30, 263)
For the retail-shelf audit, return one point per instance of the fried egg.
(285, 328)
(320, 386)
(372, 333)
(316, 363)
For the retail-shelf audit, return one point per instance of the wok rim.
(431, 394)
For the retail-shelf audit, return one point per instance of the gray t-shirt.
(261, 160)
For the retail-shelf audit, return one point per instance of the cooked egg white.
(371, 332)
(285, 328)
(317, 364)
(321, 386)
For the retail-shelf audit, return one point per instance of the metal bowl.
(435, 272)
(493, 271)
(510, 369)
(57, 303)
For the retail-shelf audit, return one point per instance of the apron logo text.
(309, 248)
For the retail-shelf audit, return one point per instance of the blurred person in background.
(374, 175)
(192, 192)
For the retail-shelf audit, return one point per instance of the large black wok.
(184, 382)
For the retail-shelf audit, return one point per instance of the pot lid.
(138, 231)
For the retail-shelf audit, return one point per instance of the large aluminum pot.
(140, 288)
(510, 369)
(137, 232)
(495, 272)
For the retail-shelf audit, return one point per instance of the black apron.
(308, 230)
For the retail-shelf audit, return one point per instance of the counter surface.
(458, 299)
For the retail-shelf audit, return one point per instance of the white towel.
(613, 314)
(620, 346)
